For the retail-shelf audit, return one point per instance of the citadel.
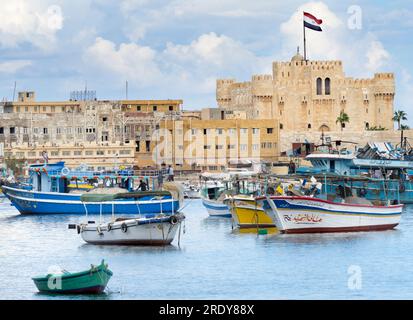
(298, 102)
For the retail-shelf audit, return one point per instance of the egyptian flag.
(312, 22)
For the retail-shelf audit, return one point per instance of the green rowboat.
(92, 281)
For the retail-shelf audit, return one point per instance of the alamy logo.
(355, 21)
(354, 281)
(55, 279)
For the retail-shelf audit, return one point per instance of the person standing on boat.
(160, 179)
(142, 186)
(291, 167)
(170, 173)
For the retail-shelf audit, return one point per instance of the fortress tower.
(309, 96)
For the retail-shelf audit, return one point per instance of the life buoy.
(65, 171)
(124, 227)
(173, 220)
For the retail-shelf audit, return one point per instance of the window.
(79, 130)
(270, 130)
(171, 108)
(319, 86)
(243, 147)
(138, 108)
(25, 130)
(58, 130)
(218, 147)
(255, 146)
(100, 153)
(17, 109)
(66, 153)
(31, 154)
(89, 153)
(138, 146)
(255, 131)
(69, 130)
(1, 130)
(205, 131)
(243, 130)
(45, 130)
(219, 131)
(77, 153)
(124, 152)
(281, 126)
(26, 109)
(367, 125)
(231, 146)
(55, 153)
(148, 146)
(193, 131)
(309, 126)
(328, 86)
(12, 130)
(155, 108)
(207, 147)
(44, 109)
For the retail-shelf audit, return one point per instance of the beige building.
(309, 96)
(210, 144)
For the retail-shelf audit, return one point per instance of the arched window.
(309, 126)
(319, 86)
(281, 126)
(328, 86)
(367, 125)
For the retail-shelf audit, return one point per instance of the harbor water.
(213, 261)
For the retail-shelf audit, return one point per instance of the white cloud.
(377, 56)
(34, 21)
(129, 61)
(11, 67)
(179, 68)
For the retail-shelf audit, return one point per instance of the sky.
(177, 49)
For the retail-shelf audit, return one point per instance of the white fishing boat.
(302, 214)
(191, 191)
(213, 194)
(160, 229)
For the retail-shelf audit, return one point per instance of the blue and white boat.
(378, 171)
(49, 194)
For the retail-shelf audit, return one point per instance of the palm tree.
(342, 119)
(398, 117)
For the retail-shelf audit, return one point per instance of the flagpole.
(305, 44)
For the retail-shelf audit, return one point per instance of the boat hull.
(31, 202)
(93, 281)
(246, 214)
(216, 209)
(151, 232)
(311, 215)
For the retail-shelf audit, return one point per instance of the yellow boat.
(247, 213)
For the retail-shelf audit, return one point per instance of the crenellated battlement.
(262, 77)
(384, 76)
(223, 82)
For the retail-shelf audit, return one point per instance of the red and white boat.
(301, 214)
